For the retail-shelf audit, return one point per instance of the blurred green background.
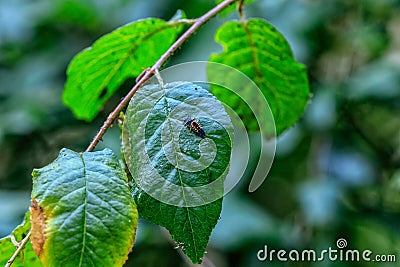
(336, 173)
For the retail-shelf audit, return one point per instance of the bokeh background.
(336, 173)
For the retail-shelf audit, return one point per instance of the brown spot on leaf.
(38, 224)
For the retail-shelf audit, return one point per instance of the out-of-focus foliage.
(336, 173)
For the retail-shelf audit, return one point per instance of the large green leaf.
(178, 175)
(82, 211)
(27, 256)
(97, 72)
(257, 49)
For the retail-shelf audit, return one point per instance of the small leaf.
(27, 256)
(178, 174)
(257, 49)
(96, 73)
(82, 211)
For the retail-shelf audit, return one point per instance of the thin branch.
(20, 246)
(148, 73)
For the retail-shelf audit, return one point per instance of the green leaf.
(82, 211)
(178, 175)
(96, 73)
(257, 49)
(27, 256)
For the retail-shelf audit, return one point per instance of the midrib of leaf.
(123, 59)
(257, 70)
(180, 176)
(252, 49)
(84, 212)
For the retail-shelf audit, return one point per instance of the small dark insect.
(194, 125)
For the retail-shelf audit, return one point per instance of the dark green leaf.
(97, 72)
(85, 215)
(178, 175)
(257, 49)
(27, 256)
